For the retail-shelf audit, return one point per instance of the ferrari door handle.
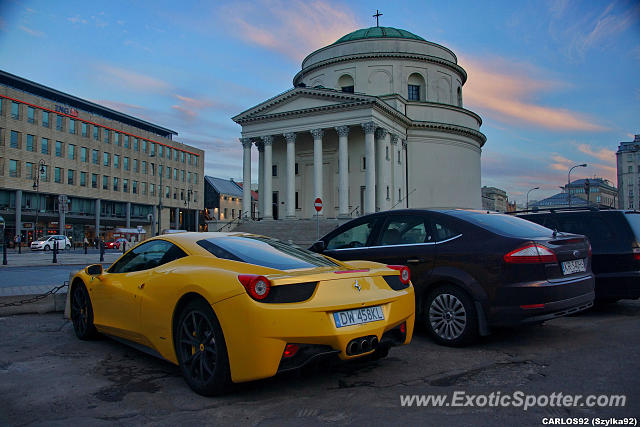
(415, 260)
(141, 286)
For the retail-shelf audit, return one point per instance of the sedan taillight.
(636, 254)
(257, 287)
(532, 253)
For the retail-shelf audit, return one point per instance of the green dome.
(378, 33)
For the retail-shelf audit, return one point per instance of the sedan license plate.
(358, 316)
(575, 266)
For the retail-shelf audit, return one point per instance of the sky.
(555, 82)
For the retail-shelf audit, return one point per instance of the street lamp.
(584, 165)
(189, 193)
(534, 188)
(159, 195)
(36, 185)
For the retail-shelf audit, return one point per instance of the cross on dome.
(377, 16)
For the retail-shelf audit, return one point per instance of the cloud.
(293, 28)
(132, 80)
(32, 32)
(77, 20)
(603, 154)
(506, 92)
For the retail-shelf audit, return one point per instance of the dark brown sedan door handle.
(415, 260)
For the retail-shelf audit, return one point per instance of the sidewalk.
(30, 258)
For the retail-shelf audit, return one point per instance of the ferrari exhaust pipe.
(364, 345)
(373, 343)
(353, 348)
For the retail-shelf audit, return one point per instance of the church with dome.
(374, 121)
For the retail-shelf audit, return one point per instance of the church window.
(364, 163)
(346, 84)
(399, 194)
(460, 97)
(297, 203)
(296, 168)
(274, 170)
(387, 192)
(387, 152)
(415, 88)
(399, 161)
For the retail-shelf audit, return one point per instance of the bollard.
(4, 254)
(55, 252)
(124, 246)
(85, 247)
(20, 246)
(101, 250)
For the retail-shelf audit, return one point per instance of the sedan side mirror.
(318, 246)
(95, 270)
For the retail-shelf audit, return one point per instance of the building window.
(105, 182)
(152, 151)
(70, 174)
(83, 154)
(195, 160)
(105, 135)
(143, 187)
(31, 114)
(152, 189)
(182, 174)
(116, 138)
(83, 179)
(14, 142)
(135, 165)
(296, 169)
(413, 92)
(44, 145)
(160, 152)
(59, 122)
(175, 194)
(175, 154)
(297, 201)
(106, 159)
(399, 158)
(126, 141)
(182, 156)
(45, 119)
(116, 161)
(125, 185)
(29, 170)
(134, 187)
(94, 157)
(169, 153)
(168, 172)
(15, 110)
(72, 152)
(58, 148)
(387, 152)
(96, 133)
(115, 183)
(135, 144)
(144, 167)
(364, 163)
(225, 213)
(144, 145)
(13, 168)
(167, 192)
(175, 174)
(189, 177)
(195, 178)
(630, 169)
(94, 180)
(57, 175)
(84, 129)
(388, 195)
(125, 163)
(274, 170)
(72, 126)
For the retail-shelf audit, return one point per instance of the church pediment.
(302, 100)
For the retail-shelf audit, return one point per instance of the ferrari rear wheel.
(82, 313)
(201, 350)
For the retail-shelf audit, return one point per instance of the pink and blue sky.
(556, 82)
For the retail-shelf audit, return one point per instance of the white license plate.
(575, 266)
(358, 316)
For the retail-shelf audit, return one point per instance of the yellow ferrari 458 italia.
(234, 307)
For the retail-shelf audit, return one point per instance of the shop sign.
(27, 225)
(66, 110)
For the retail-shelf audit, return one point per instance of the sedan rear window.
(265, 252)
(505, 225)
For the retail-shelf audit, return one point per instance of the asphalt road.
(48, 377)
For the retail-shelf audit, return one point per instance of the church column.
(381, 169)
(246, 178)
(268, 193)
(395, 182)
(370, 172)
(291, 174)
(260, 147)
(317, 165)
(343, 171)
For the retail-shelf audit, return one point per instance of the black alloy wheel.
(201, 350)
(82, 313)
(450, 316)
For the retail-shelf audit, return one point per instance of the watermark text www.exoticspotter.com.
(517, 399)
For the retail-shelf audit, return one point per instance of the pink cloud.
(505, 91)
(294, 28)
(31, 31)
(132, 80)
(603, 154)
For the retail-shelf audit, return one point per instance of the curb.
(50, 304)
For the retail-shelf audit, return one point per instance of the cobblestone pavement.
(48, 377)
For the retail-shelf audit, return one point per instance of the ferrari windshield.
(264, 251)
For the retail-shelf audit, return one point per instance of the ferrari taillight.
(257, 287)
(533, 253)
(405, 275)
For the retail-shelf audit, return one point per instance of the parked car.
(46, 243)
(234, 307)
(615, 238)
(473, 270)
(115, 244)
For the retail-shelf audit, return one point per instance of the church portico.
(380, 128)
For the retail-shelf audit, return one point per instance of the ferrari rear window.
(265, 252)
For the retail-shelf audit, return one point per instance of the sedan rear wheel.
(201, 350)
(82, 313)
(450, 316)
